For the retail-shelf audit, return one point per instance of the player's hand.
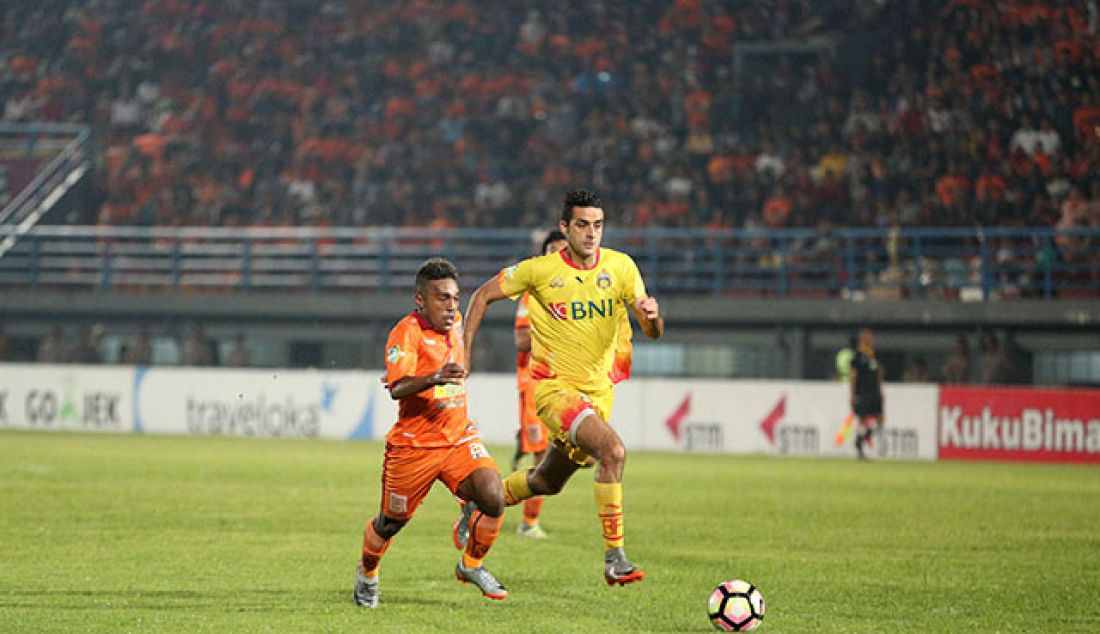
(449, 373)
(648, 307)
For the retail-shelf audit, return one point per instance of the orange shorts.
(408, 473)
(532, 433)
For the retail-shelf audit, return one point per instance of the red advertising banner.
(1025, 424)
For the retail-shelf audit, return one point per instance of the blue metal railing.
(72, 142)
(949, 263)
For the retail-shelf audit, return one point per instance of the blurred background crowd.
(444, 113)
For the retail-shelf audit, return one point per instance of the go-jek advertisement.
(257, 403)
(70, 397)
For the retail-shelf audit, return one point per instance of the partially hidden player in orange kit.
(433, 439)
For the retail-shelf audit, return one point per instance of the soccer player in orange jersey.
(577, 300)
(532, 437)
(433, 439)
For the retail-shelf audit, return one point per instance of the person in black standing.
(865, 382)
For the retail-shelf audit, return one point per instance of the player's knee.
(490, 500)
(613, 454)
(492, 506)
(387, 527)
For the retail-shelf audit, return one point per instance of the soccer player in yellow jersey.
(576, 299)
(532, 437)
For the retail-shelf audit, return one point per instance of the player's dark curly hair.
(553, 236)
(579, 198)
(434, 269)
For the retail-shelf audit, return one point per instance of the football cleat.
(366, 590)
(618, 569)
(483, 579)
(534, 531)
(460, 532)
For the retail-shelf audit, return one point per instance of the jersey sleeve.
(634, 286)
(623, 363)
(517, 278)
(400, 353)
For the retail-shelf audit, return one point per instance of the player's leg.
(526, 403)
(557, 406)
(376, 539)
(535, 439)
(532, 508)
(518, 455)
(860, 411)
(548, 478)
(598, 439)
(472, 474)
(407, 476)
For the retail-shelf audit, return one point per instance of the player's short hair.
(434, 269)
(579, 198)
(553, 236)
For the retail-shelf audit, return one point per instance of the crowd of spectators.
(445, 113)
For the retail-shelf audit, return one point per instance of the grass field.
(143, 533)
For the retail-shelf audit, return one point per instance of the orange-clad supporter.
(777, 208)
(433, 438)
(951, 188)
(1086, 121)
(578, 297)
(990, 185)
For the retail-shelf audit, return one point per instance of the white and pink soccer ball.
(736, 606)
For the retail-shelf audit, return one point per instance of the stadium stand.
(776, 149)
(438, 114)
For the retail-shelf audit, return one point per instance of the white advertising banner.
(66, 397)
(719, 416)
(771, 417)
(257, 403)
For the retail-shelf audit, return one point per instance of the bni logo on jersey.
(573, 311)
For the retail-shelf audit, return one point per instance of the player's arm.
(648, 313)
(522, 336)
(486, 294)
(409, 385)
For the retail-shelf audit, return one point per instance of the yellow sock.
(516, 488)
(609, 506)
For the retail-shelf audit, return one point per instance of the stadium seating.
(439, 113)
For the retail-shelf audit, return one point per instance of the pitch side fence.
(955, 263)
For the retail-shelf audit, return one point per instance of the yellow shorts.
(560, 406)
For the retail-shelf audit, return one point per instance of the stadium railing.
(70, 145)
(855, 263)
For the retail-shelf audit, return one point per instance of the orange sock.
(373, 549)
(531, 510)
(609, 506)
(483, 532)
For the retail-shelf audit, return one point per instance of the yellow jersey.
(578, 320)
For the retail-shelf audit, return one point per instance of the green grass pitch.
(144, 533)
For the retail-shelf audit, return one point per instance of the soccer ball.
(736, 606)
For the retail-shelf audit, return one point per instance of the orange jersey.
(523, 320)
(435, 417)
